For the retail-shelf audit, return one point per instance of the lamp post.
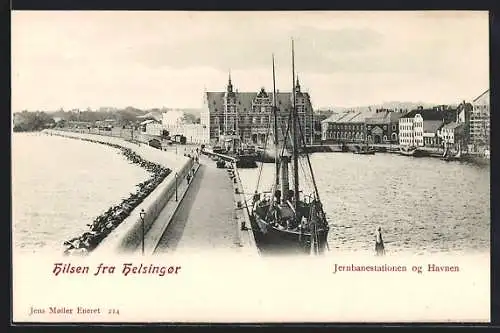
(176, 186)
(142, 214)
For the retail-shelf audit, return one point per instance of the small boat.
(366, 151)
(412, 151)
(245, 160)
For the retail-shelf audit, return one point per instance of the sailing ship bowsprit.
(286, 219)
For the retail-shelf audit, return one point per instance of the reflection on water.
(423, 205)
(59, 185)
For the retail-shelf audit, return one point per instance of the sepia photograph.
(250, 167)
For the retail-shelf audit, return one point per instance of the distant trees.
(32, 121)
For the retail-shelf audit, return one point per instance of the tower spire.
(297, 85)
(229, 83)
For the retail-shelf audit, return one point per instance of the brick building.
(249, 114)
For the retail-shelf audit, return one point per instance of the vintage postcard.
(250, 167)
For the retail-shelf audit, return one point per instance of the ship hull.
(246, 161)
(414, 153)
(271, 240)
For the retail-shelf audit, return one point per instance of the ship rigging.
(285, 220)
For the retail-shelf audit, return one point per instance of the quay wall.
(127, 236)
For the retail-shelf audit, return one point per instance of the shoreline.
(108, 221)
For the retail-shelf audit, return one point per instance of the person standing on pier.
(379, 243)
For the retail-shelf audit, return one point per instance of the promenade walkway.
(206, 218)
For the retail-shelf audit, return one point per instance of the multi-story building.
(451, 133)
(383, 127)
(479, 127)
(346, 126)
(424, 123)
(249, 114)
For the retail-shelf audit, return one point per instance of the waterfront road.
(205, 219)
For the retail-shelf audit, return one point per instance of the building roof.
(379, 117)
(427, 114)
(360, 117)
(452, 125)
(349, 117)
(151, 115)
(149, 121)
(431, 126)
(394, 116)
(336, 117)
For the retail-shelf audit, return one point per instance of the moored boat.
(286, 219)
(366, 150)
(412, 151)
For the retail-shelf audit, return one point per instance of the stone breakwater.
(105, 223)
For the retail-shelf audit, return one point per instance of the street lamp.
(142, 214)
(176, 186)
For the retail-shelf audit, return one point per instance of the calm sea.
(59, 185)
(422, 204)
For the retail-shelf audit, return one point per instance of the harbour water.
(423, 205)
(60, 185)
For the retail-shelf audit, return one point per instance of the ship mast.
(294, 139)
(275, 129)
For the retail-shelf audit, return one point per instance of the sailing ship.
(286, 219)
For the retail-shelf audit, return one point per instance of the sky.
(80, 59)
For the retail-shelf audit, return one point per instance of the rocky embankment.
(105, 223)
